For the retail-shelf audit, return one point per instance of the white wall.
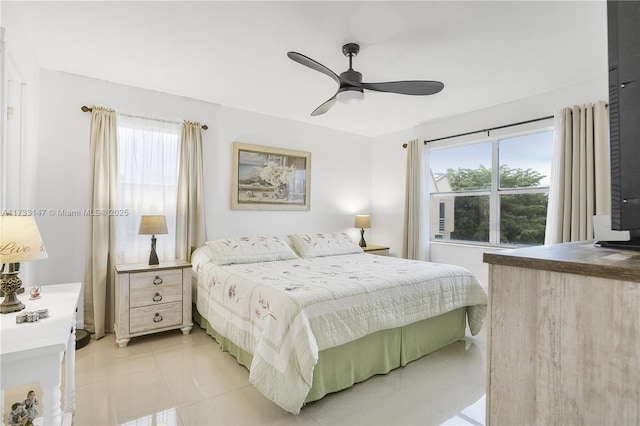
(18, 135)
(389, 163)
(340, 167)
(21, 93)
(519, 110)
(340, 176)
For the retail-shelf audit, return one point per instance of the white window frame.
(494, 192)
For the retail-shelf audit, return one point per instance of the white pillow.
(324, 244)
(250, 249)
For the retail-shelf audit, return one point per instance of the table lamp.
(362, 221)
(152, 225)
(20, 241)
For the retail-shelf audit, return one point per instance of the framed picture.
(266, 178)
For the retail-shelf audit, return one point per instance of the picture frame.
(269, 178)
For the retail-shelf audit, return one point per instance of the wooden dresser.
(564, 336)
(151, 299)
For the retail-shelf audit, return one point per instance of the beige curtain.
(99, 275)
(190, 225)
(580, 175)
(411, 234)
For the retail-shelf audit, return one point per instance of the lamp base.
(18, 291)
(11, 303)
(153, 257)
(363, 243)
(10, 283)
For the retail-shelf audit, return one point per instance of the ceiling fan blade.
(326, 106)
(308, 62)
(412, 87)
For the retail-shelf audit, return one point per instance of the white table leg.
(70, 374)
(51, 405)
(51, 394)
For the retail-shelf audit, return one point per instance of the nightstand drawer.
(155, 279)
(154, 317)
(155, 296)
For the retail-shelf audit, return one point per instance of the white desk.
(32, 352)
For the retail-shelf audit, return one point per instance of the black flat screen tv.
(623, 19)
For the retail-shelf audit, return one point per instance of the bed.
(312, 314)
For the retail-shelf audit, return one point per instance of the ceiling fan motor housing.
(351, 49)
(350, 90)
(351, 77)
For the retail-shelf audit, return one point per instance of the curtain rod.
(87, 109)
(489, 129)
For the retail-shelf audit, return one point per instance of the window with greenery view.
(494, 191)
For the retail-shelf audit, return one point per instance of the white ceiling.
(234, 53)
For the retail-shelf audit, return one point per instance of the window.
(492, 191)
(148, 162)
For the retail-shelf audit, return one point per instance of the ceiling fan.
(350, 85)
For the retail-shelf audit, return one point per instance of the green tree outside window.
(522, 216)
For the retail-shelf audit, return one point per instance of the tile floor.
(171, 379)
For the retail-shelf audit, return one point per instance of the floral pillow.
(324, 244)
(250, 250)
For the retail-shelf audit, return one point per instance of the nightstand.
(151, 299)
(379, 250)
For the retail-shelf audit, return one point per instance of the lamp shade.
(363, 221)
(153, 224)
(20, 240)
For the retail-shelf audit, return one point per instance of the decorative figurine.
(19, 416)
(35, 293)
(30, 403)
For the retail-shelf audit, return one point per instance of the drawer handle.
(157, 297)
(157, 318)
(157, 280)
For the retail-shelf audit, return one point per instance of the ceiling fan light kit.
(350, 95)
(350, 85)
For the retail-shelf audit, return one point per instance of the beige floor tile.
(335, 406)
(172, 379)
(245, 406)
(173, 338)
(98, 368)
(188, 386)
(122, 399)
